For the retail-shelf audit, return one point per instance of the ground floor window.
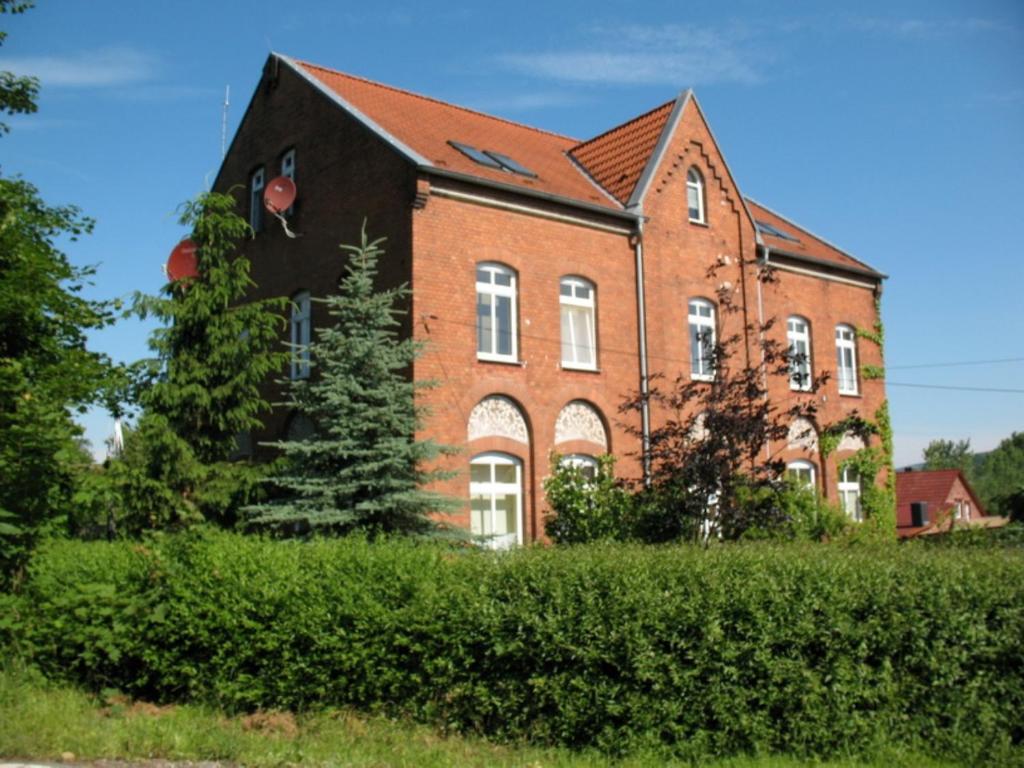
(587, 465)
(849, 493)
(496, 499)
(802, 473)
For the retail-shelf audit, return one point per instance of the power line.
(961, 362)
(962, 389)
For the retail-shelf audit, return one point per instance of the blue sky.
(894, 129)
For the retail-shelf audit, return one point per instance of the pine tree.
(362, 468)
(214, 349)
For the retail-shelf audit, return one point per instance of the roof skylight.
(768, 229)
(492, 159)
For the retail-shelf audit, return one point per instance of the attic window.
(492, 159)
(768, 229)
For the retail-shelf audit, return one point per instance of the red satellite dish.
(183, 262)
(279, 194)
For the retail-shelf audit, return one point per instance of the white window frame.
(301, 332)
(256, 182)
(795, 468)
(695, 185)
(582, 295)
(288, 171)
(491, 288)
(586, 464)
(697, 324)
(492, 489)
(799, 340)
(846, 359)
(848, 487)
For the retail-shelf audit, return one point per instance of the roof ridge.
(433, 100)
(615, 128)
(806, 231)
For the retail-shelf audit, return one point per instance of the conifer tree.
(213, 349)
(362, 468)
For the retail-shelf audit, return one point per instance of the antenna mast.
(224, 122)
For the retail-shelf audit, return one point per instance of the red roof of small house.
(426, 126)
(933, 487)
(617, 158)
(796, 241)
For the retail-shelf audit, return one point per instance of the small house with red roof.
(551, 276)
(937, 501)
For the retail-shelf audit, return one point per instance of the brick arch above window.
(850, 442)
(497, 416)
(580, 420)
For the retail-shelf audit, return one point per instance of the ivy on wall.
(878, 502)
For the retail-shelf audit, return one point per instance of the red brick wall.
(449, 238)
(344, 174)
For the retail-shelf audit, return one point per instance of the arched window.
(846, 359)
(579, 337)
(802, 472)
(587, 465)
(849, 493)
(702, 339)
(695, 195)
(301, 324)
(495, 313)
(496, 499)
(798, 334)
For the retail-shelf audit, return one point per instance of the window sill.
(698, 222)
(849, 394)
(500, 360)
(701, 377)
(580, 368)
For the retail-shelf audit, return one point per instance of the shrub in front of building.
(797, 649)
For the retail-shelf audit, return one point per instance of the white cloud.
(633, 54)
(99, 68)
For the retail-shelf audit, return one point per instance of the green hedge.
(812, 651)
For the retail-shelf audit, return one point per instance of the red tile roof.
(617, 158)
(931, 486)
(602, 172)
(803, 243)
(426, 125)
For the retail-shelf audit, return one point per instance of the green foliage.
(872, 371)
(214, 348)
(804, 515)
(947, 454)
(1000, 478)
(17, 93)
(707, 448)
(46, 371)
(585, 509)
(363, 466)
(806, 650)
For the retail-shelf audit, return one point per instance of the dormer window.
(695, 196)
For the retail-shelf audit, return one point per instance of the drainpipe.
(641, 312)
(760, 336)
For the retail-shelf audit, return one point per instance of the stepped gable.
(426, 125)
(617, 158)
(797, 241)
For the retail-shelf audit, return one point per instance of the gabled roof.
(617, 158)
(800, 242)
(422, 127)
(931, 486)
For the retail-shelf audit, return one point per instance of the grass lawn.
(40, 721)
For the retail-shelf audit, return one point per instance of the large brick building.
(550, 276)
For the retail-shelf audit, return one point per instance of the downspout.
(760, 336)
(641, 312)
